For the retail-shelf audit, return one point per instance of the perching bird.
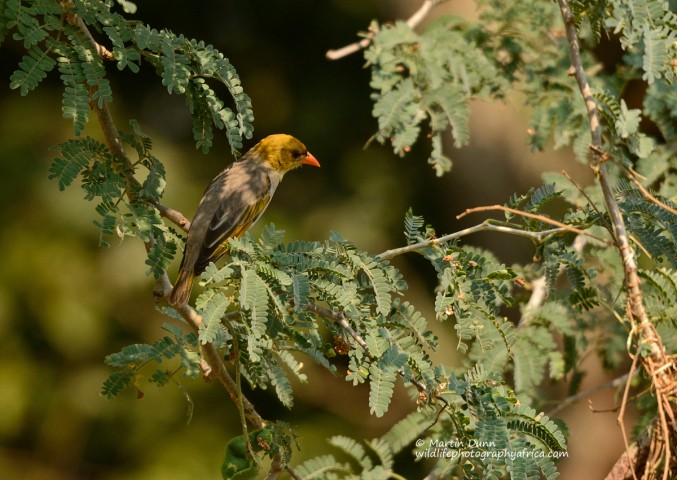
(233, 202)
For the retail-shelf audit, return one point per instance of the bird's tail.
(182, 288)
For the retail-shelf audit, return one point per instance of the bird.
(233, 202)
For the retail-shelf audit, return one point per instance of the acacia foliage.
(276, 304)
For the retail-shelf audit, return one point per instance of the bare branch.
(657, 363)
(482, 227)
(412, 21)
(541, 218)
(632, 281)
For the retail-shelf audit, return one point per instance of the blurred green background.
(65, 303)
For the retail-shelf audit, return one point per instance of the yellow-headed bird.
(233, 202)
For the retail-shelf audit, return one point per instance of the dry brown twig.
(535, 216)
(570, 400)
(633, 178)
(656, 362)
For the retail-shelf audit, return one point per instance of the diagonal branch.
(562, 404)
(620, 232)
(173, 216)
(412, 21)
(656, 362)
(340, 319)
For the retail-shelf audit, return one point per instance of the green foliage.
(428, 78)
(275, 280)
(482, 433)
(186, 66)
(648, 30)
(52, 36)
(274, 303)
(124, 205)
(655, 227)
(178, 346)
(660, 288)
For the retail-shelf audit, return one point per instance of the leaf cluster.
(484, 433)
(129, 361)
(316, 299)
(428, 78)
(53, 38)
(124, 205)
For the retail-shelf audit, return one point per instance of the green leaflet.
(353, 449)
(381, 385)
(211, 318)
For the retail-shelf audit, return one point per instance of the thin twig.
(541, 218)
(482, 227)
(621, 413)
(340, 319)
(590, 202)
(412, 21)
(615, 383)
(648, 195)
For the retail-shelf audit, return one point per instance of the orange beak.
(311, 160)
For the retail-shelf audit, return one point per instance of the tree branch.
(620, 233)
(340, 319)
(656, 362)
(412, 21)
(482, 227)
(111, 135)
(541, 218)
(101, 51)
(174, 216)
(214, 367)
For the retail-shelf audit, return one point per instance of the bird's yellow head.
(283, 153)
